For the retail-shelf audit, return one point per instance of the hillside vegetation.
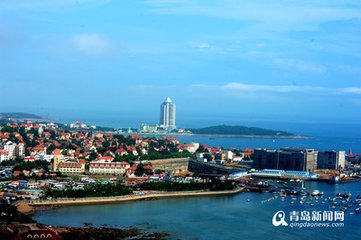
(239, 130)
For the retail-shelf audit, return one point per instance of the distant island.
(18, 115)
(224, 130)
(23, 117)
(240, 130)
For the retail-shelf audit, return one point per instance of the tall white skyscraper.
(167, 114)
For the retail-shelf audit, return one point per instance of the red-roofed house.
(138, 139)
(38, 150)
(4, 155)
(105, 158)
(190, 147)
(215, 150)
(133, 150)
(27, 126)
(122, 152)
(29, 159)
(247, 152)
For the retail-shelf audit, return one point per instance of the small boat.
(292, 192)
(344, 195)
(337, 179)
(316, 193)
(304, 193)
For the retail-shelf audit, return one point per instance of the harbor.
(238, 215)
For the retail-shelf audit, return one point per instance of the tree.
(208, 157)
(50, 149)
(140, 170)
(92, 155)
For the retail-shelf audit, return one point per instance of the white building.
(167, 114)
(237, 159)
(46, 157)
(190, 147)
(4, 155)
(20, 150)
(10, 147)
(229, 155)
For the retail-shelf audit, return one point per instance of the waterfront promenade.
(31, 206)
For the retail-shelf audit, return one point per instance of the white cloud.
(235, 86)
(199, 45)
(275, 16)
(92, 44)
(299, 65)
(245, 88)
(56, 5)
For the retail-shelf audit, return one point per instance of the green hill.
(20, 115)
(239, 130)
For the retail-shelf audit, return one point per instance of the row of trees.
(96, 190)
(216, 185)
(115, 189)
(20, 164)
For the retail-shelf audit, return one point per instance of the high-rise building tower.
(167, 114)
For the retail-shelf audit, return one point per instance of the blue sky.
(229, 60)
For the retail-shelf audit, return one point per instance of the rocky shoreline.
(14, 224)
(24, 210)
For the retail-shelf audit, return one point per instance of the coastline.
(34, 206)
(221, 135)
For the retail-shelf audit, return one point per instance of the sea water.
(241, 216)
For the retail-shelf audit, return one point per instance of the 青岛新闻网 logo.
(279, 219)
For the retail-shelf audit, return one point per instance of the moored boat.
(316, 193)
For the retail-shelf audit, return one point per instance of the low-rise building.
(71, 167)
(4, 155)
(108, 168)
(20, 150)
(190, 147)
(46, 157)
(11, 148)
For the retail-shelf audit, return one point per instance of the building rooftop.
(168, 100)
